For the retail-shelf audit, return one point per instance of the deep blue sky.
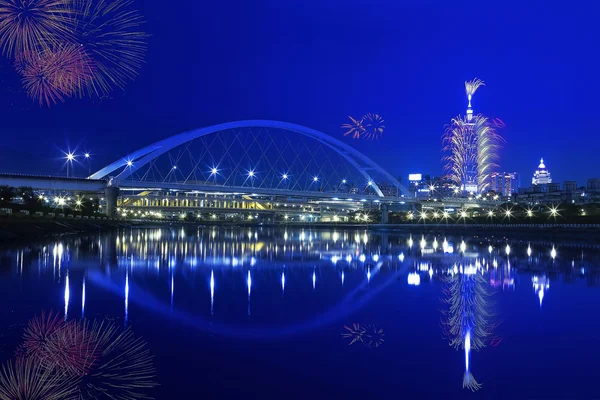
(315, 62)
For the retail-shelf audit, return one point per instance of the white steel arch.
(141, 157)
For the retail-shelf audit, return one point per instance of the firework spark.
(29, 26)
(354, 127)
(104, 362)
(109, 33)
(472, 86)
(53, 75)
(73, 349)
(124, 368)
(26, 378)
(373, 125)
(38, 333)
(355, 333)
(472, 148)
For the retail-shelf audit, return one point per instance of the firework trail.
(354, 127)
(29, 26)
(488, 146)
(27, 379)
(109, 33)
(472, 145)
(373, 125)
(124, 368)
(472, 86)
(472, 149)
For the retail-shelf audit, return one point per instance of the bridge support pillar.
(110, 195)
(384, 213)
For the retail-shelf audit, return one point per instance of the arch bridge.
(259, 165)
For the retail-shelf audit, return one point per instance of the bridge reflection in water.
(274, 284)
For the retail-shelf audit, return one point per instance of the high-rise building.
(541, 176)
(505, 183)
(471, 144)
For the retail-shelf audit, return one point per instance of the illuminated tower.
(470, 183)
(471, 144)
(541, 176)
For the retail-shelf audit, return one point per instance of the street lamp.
(70, 158)
(87, 157)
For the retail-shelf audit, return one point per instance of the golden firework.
(110, 34)
(30, 26)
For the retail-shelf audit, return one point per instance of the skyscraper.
(504, 183)
(471, 144)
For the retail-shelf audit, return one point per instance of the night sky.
(316, 62)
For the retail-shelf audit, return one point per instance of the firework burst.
(374, 336)
(29, 26)
(373, 125)
(103, 361)
(355, 333)
(53, 75)
(109, 33)
(472, 86)
(124, 369)
(28, 379)
(38, 334)
(354, 127)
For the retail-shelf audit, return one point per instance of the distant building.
(388, 189)
(505, 183)
(551, 193)
(541, 176)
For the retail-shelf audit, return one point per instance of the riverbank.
(13, 229)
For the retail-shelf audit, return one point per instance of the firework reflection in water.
(28, 379)
(104, 361)
(370, 335)
(468, 321)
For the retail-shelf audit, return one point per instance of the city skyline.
(548, 113)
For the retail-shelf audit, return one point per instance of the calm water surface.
(327, 313)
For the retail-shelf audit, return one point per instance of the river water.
(290, 313)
